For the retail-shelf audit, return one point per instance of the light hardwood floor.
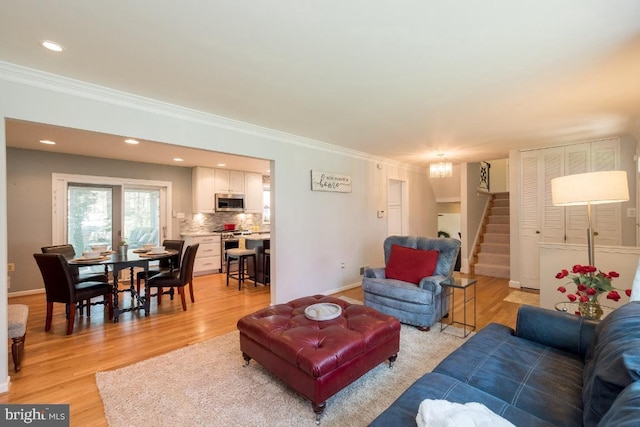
(61, 369)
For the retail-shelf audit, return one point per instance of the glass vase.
(590, 309)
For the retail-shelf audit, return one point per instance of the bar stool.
(266, 266)
(241, 256)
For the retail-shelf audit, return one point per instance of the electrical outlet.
(11, 267)
(631, 212)
(342, 265)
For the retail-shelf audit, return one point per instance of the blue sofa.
(555, 369)
(417, 304)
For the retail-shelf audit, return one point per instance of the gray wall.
(29, 200)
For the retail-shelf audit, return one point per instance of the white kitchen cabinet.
(208, 256)
(541, 222)
(202, 188)
(227, 181)
(253, 192)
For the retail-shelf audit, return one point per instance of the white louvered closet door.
(531, 189)
(552, 216)
(577, 160)
(606, 218)
(540, 221)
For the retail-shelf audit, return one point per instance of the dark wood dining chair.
(61, 288)
(174, 279)
(165, 264)
(70, 253)
(89, 276)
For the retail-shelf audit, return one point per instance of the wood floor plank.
(61, 369)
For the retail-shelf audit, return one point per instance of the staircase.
(492, 253)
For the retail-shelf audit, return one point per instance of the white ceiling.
(398, 79)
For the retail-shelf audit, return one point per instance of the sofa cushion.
(521, 373)
(411, 265)
(437, 386)
(612, 361)
(625, 411)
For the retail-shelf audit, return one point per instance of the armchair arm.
(432, 283)
(555, 329)
(375, 273)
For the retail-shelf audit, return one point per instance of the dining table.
(118, 262)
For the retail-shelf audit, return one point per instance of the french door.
(91, 210)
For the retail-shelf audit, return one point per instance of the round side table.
(572, 308)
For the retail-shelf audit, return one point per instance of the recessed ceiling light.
(132, 141)
(46, 141)
(52, 46)
(178, 159)
(221, 165)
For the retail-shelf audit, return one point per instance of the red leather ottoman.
(319, 358)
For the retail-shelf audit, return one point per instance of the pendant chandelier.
(441, 169)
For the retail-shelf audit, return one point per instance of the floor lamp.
(593, 188)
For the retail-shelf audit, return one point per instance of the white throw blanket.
(436, 413)
(635, 288)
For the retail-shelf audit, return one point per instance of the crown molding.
(53, 82)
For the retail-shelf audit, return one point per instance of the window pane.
(89, 216)
(141, 217)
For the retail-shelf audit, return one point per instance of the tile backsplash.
(203, 222)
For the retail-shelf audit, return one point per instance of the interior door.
(142, 216)
(578, 159)
(89, 210)
(394, 208)
(530, 231)
(552, 166)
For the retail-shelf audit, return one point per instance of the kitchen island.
(259, 242)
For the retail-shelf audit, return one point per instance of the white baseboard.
(23, 293)
(514, 284)
(4, 387)
(343, 288)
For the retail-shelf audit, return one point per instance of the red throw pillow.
(410, 265)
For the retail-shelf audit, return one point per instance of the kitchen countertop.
(252, 236)
(257, 236)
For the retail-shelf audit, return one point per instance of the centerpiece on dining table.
(590, 284)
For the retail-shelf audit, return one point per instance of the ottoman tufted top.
(318, 347)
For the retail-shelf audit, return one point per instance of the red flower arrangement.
(590, 285)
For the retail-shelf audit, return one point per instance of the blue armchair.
(414, 304)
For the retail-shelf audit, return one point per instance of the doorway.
(396, 209)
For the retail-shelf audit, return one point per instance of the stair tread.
(493, 257)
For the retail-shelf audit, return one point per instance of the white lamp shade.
(590, 188)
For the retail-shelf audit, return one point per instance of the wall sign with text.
(329, 181)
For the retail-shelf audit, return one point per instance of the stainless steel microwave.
(229, 202)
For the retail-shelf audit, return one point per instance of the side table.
(448, 290)
(572, 308)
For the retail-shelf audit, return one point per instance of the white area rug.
(206, 385)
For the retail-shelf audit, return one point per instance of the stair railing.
(484, 177)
